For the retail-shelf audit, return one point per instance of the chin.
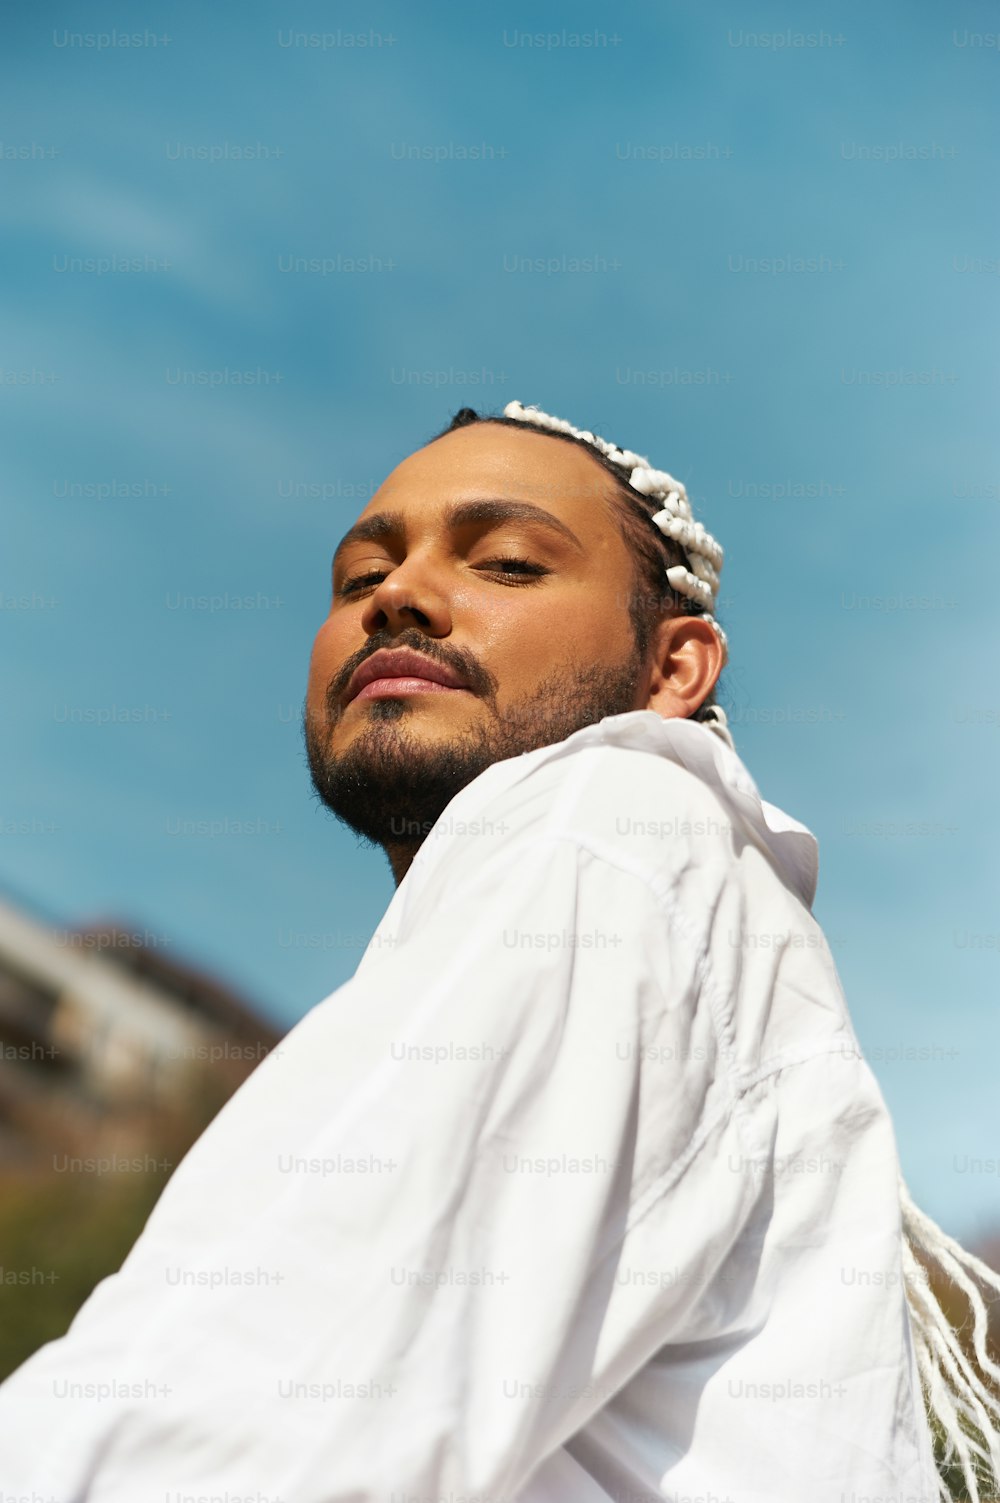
(421, 707)
(392, 768)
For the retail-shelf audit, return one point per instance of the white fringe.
(953, 1389)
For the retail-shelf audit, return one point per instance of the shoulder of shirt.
(628, 806)
(639, 791)
(609, 788)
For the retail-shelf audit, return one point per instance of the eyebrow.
(492, 509)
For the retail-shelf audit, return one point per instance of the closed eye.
(518, 565)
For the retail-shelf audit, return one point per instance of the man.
(580, 1188)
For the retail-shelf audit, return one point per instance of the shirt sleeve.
(406, 1254)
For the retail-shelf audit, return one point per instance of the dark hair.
(652, 596)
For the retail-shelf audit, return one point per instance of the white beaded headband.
(699, 583)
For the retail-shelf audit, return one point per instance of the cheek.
(327, 656)
(526, 646)
(577, 625)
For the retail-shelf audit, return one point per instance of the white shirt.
(579, 1189)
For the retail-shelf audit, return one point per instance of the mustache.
(478, 678)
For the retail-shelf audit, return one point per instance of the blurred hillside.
(114, 1057)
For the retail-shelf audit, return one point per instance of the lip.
(379, 688)
(409, 668)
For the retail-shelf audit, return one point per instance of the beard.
(390, 786)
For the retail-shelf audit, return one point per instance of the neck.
(401, 858)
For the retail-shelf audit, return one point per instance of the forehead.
(490, 459)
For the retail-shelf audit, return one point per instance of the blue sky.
(788, 300)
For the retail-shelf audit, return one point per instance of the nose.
(411, 592)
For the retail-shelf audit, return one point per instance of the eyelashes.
(521, 565)
(350, 586)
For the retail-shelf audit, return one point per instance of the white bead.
(641, 480)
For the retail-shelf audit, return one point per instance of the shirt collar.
(790, 846)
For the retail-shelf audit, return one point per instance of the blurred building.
(105, 1039)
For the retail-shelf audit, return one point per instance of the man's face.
(543, 648)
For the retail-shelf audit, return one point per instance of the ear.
(685, 659)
